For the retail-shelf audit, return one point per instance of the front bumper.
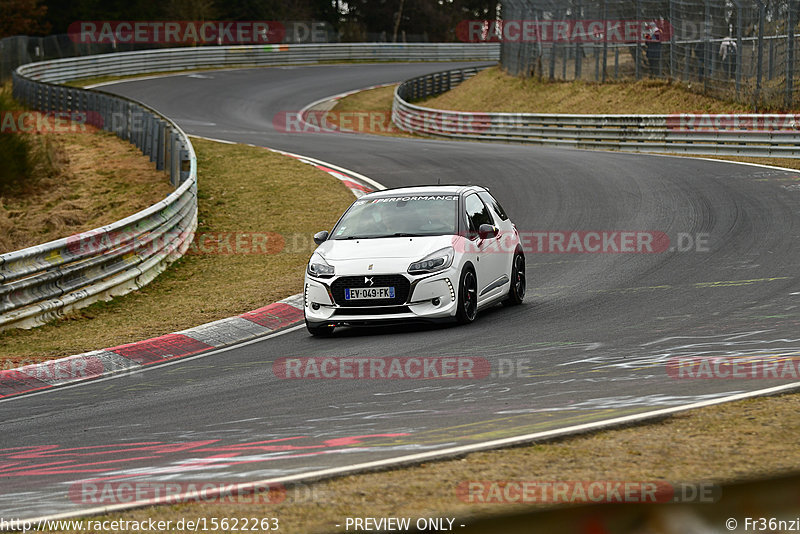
(431, 297)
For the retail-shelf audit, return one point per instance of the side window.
(477, 213)
(491, 201)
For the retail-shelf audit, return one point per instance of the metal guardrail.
(176, 59)
(774, 135)
(40, 283)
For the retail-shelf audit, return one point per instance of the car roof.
(424, 190)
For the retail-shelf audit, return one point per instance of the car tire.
(319, 331)
(516, 293)
(467, 296)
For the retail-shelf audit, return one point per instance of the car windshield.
(399, 216)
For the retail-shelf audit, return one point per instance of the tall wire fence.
(22, 49)
(731, 49)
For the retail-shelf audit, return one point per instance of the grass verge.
(97, 179)
(738, 441)
(61, 178)
(708, 445)
(494, 90)
(712, 444)
(251, 193)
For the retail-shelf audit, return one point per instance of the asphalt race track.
(596, 330)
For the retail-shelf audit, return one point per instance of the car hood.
(410, 248)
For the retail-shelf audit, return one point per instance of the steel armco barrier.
(775, 135)
(40, 283)
(177, 59)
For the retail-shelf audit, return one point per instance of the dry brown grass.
(494, 90)
(714, 444)
(746, 439)
(368, 112)
(99, 179)
(241, 190)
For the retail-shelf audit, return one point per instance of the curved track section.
(595, 333)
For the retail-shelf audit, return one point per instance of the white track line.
(249, 487)
(419, 457)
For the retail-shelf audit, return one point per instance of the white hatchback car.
(428, 253)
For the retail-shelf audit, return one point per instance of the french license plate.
(369, 293)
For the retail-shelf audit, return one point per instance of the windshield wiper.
(396, 234)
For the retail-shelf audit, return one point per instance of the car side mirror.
(485, 231)
(321, 237)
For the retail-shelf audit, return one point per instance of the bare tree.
(22, 17)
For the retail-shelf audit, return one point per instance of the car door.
(490, 262)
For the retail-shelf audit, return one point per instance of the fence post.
(578, 49)
(790, 55)
(596, 63)
(672, 21)
(638, 51)
(605, 39)
(760, 60)
(739, 51)
(706, 45)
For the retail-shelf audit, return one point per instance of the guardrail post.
(147, 148)
(154, 139)
(54, 269)
(160, 149)
(175, 160)
(185, 164)
(124, 131)
(106, 113)
(168, 151)
(113, 118)
(135, 126)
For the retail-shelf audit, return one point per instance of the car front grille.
(378, 310)
(399, 282)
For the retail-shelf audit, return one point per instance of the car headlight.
(317, 266)
(436, 261)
